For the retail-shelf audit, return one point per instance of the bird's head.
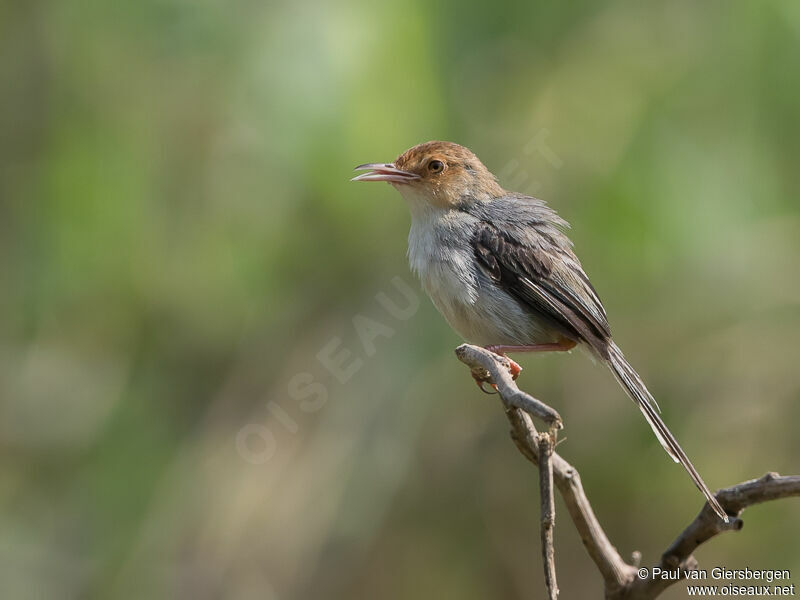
(436, 175)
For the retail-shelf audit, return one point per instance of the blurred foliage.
(179, 241)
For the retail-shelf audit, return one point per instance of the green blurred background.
(179, 244)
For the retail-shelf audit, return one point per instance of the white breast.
(439, 251)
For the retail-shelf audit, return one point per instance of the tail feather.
(638, 392)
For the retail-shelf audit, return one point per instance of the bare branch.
(548, 513)
(488, 366)
(707, 525)
(620, 578)
(615, 571)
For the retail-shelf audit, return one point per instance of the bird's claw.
(483, 389)
(482, 377)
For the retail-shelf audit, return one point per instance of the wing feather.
(546, 277)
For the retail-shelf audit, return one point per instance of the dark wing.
(533, 261)
(536, 265)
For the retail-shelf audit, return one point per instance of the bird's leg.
(562, 345)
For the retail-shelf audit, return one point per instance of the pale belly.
(485, 315)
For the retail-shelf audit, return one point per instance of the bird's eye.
(436, 166)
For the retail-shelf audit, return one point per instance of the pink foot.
(514, 368)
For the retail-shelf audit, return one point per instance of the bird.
(499, 267)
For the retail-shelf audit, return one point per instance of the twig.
(548, 513)
(615, 571)
(621, 580)
(489, 366)
(707, 525)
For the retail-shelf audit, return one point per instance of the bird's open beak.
(384, 172)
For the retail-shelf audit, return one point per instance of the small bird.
(502, 272)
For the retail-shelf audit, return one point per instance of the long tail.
(636, 389)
